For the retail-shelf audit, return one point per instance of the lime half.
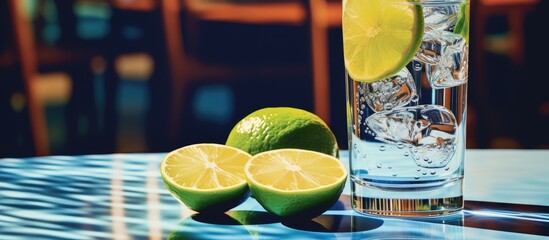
(380, 37)
(294, 182)
(206, 177)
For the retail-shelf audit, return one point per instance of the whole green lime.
(282, 127)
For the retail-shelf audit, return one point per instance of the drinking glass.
(406, 130)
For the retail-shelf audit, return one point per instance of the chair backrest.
(25, 56)
(318, 14)
(135, 5)
(309, 14)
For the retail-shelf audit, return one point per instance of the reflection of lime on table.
(380, 37)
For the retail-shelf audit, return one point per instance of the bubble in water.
(419, 169)
(394, 174)
(433, 172)
(447, 168)
(406, 154)
(389, 167)
(379, 165)
(424, 173)
(382, 148)
(417, 177)
(417, 65)
(415, 98)
(400, 146)
(426, 159)
(430, 161)
(392, 92)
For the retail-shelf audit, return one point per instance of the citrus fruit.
(282, 127)
(380, 37)
(462, 25)
(206, 177)
(295, 182)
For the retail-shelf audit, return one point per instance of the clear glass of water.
(407, 131)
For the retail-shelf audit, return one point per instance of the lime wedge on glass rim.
(462, 25)
(380, 37)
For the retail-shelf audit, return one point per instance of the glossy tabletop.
(121, 196)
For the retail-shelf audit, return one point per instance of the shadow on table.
(339, 221)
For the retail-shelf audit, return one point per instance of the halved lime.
(380, 37)
(294, 182)
(206, 177)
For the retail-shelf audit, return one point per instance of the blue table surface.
(121, 196)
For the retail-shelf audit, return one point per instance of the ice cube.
(445, 56)
(396, 91)
(451, 71)
(437, 144)
(440, 17)
(437, 44)
(400, 125)
(428, 130)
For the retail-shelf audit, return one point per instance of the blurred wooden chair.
(512, 45)
(21, 55)
(136, 28)
(69, 56)
(324, 15)
(515, 12)
(311, 14)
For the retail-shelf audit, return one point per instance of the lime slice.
(295, 182)
(206, 177)
(462, 25)
(380, 37)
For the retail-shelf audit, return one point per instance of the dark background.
(508, 102)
